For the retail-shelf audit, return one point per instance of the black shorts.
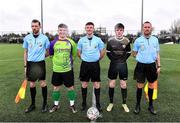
(118, 68)
(66, 78)
(90, 70)
(36, 71)
(143, 71)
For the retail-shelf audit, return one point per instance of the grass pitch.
(167, 104)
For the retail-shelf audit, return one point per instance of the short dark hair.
(36, 21)
(119, 25)
(89, 23)
(147, 22)
(62, 25)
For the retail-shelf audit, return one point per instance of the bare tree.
(175, 27)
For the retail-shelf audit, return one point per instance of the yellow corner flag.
(21, 92)
(154, 92)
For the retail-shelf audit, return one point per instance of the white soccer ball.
(92, 113)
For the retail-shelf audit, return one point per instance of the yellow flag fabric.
(22, 91)
(154, 92)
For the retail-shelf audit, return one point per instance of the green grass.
(167, 104)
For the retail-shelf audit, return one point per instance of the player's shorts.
(66, 78)
(90, 70)
(143, 71)
(36, 71)
(116, 69)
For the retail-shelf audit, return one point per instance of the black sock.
(33, 94)
(111, 94)
(150, 94)
(44, 94)
(84, 95)
(138, 95)
(124, 95)
(97, 95)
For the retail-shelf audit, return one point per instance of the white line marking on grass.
(6, 60)
(169, 59)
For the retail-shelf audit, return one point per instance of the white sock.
(71, 102)
(56, 102)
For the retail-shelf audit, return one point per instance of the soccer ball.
(92, 113)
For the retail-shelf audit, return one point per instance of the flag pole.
(42, 31)
(142, 11)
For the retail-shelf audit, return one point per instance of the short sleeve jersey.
(36, 47)
(63, 52)
(146, 49)
(90, 49)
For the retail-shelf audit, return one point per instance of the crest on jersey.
(142, 47)
(30, 45)
(124, 46)
(40, 44)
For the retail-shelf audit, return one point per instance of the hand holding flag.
(21, 92)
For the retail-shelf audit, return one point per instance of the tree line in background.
(173, 35)
(18, 38)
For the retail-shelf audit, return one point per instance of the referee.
(36, 47)
(146, 51)
(91, 51)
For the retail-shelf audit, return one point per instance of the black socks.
(97, 95)
(84, 95)
(111, 94)
(138, 95)
(124, 95)
(44, 94)
(150, 94)
(33, 95)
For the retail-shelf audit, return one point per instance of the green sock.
(56, 95)
(71, 95)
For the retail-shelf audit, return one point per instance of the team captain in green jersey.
(63, 51)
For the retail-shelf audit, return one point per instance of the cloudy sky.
(16, 15)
